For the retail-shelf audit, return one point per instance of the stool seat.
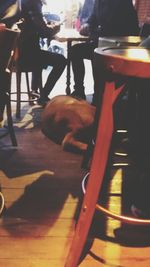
(128, 62)
(117, 41)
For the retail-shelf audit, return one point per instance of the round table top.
(130, 60)
(70, 35)
(121, 40)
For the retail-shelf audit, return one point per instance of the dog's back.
(68, 121)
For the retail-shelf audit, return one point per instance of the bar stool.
(117, 41)
(126, 62)
(114, 41)
(32, 96)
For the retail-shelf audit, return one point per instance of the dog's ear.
(69, 143)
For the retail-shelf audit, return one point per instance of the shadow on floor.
(40, 205)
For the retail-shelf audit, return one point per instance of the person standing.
(84, 13)
(108, 18)
(139, 145)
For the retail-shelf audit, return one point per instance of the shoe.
(34, 95)
(94, 101)
(140, 207)
(43, 101)
(78, 95)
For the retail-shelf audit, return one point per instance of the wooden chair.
(32, 96)
(8, 44)
(31, 93)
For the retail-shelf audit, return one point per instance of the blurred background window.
(70, 10)
(65, 9)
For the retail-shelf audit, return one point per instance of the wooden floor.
(41, 185)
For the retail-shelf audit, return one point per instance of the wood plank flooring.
(41, 184)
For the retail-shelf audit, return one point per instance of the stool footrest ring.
(32, 98)
(122, 218)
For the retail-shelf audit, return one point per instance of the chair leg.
(6, 103)
(28, 85)
(10, 122)
(28, 92)
(40, 83)
(18, 82)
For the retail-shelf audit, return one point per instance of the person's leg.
(139, 135)
(36, 80)
(140, 150)
(99, 75)
(3, 93)
(58, 63)
(79, 52)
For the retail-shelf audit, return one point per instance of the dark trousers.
(79, 52)
(139, 145)
(42, 59)
(139, 125)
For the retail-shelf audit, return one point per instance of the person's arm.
(92, 20)
(94, 25)
(113, 18)
(33, 13)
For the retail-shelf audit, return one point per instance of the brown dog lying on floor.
(68, 121)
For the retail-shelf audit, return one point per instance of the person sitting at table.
(34, 27)
(109, 18)
(84, 13)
